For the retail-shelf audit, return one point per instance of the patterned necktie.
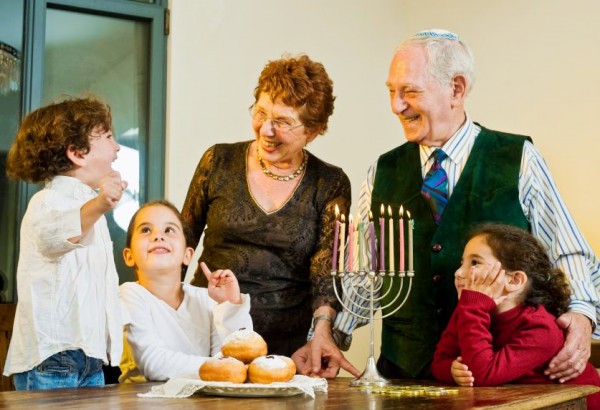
(435, 186)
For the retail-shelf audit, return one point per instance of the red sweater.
(510, 347)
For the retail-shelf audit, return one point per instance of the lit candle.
(373, 248)
(342, 243)
(391, 241)
(381, 239)
(411, 227)
(355, 262)
(361, 245)
(401, 236)
(350, 244)
(336, 238)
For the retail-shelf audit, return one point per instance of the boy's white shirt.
(163, 343)
(68, 295)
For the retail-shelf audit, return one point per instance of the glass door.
(114, 49)
(11, 64)
(107, 57)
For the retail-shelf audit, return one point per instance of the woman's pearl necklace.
(276, 177)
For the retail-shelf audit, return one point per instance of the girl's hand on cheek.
(488, 279)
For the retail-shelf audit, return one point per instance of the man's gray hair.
(447, 55)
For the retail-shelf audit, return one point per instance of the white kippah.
(436, 32)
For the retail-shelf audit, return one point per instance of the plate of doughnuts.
(246, 370)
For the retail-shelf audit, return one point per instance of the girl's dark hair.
(39, 151)
(187, 232)
(517, 249)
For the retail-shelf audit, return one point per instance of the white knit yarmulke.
(436, 32)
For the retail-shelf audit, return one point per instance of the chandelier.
(10, 68)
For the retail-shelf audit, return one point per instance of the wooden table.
(340, 396)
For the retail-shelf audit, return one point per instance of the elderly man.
(452, 175)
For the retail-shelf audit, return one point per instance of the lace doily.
(181, 388)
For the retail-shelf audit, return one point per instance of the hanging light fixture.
(10, 68)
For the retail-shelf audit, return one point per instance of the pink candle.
(355, 267)
(401, 240)
(382, 239)
(350, 245)
(391, 255)
(361, 246)
(411, 227)
(336, 237)
(342, 243)
(373, 247)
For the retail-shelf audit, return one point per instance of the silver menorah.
(354, 301)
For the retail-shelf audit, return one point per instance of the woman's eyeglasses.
(279, 124)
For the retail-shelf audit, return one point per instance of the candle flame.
(408, 214)
(402, 211)
(390, 211)
(370, 216)
(382, 210)
(343, 218)
(337, 212)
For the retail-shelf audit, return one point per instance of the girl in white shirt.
(174, 327)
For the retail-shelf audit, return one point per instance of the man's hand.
(321, 357)
(573, 357)
(303, 360)
(461, 373)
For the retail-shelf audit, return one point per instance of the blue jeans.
(71, 368)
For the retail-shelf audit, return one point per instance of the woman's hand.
(222, 285)
(489, 280)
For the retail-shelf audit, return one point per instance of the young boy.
(174, 327)
(68, 320)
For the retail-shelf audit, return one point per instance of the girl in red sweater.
(504, 329)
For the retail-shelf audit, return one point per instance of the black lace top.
(283, 258)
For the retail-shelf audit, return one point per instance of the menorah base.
(370, 377)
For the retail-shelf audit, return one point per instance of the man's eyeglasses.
(279, 124)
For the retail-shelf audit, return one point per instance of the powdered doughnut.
(223, 369)
(270, 369)
(245, 345)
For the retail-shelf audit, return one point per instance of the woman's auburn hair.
(301, 83)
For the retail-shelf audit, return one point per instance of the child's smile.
(158, 244)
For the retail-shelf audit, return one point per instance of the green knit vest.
(487, 191)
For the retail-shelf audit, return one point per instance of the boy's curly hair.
(39, 151)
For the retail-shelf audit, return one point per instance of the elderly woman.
(266, 209)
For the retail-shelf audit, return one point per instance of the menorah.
(366, 289)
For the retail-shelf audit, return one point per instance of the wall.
(537, 65)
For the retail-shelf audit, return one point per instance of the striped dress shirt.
(542, 205)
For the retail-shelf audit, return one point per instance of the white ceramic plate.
(250, 391)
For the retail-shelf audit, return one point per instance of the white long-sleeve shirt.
(162, 342)
(544, 208)
(68, 293)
